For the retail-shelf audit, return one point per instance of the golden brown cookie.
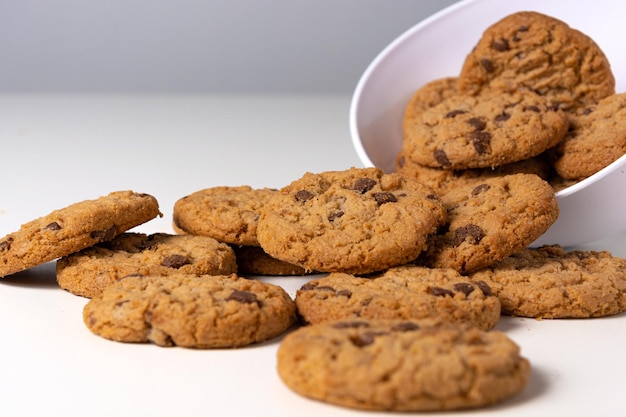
(88, 272)
(228, 214)
(73, 228)
(597, 138)
(549, 282)
(490, 221)
(190, 311)
(402, 365)
(484, 131)
(406, 292)
(358, 221)
(532, 51)
(444, 180)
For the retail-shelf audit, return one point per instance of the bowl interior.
(437, 47)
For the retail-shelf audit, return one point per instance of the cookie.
(427, 96)
(443, 180)
(228, 214)
(402, 365)
(406, 292)
(88, 272)
(490, 221)
(597, 138)
(549, 282)
(358, 221)
(73, 228)
(191, 311)
(253, 260)
(484, 131)
(532, 51)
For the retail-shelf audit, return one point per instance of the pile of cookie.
(534, 95)
(411, 276)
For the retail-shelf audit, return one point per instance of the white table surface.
(56, 150)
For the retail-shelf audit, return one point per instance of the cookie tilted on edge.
(490, 221)
(401, 365)
(191, 311)
(87, 272)
(404, 292)
(355, 221)
(73, 228)
(549, 282)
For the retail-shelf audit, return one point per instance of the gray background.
(210, 46)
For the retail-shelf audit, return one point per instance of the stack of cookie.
(533, 95)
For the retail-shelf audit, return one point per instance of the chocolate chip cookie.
(358, 221)
(531, 51)
(73, 228)
(228, 214)
(549, 282)
(484, 131)
(88, 272)
(597, 138)
(402, 365)
(191, 311)
(490, 221)
(406, 292)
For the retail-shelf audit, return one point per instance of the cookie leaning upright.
(355, 221)
(73, 228)
(531, 51)
(402, 365)
(490, 221)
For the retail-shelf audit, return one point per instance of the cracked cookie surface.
(358, 221)
(405, 292)
(483, 131)
(402, 365)
(549, 282)
(73, 228)
(88, 272)
(190, 311)
(529, 50)
(490, 221)
(228, 214)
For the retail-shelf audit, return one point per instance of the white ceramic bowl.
(436, 47)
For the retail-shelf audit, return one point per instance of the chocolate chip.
(405, 326)
(587, 111)
(335, 215)
(441, 158)
(383, 198)
(532, 108)
(175, 261)
(243, 297)
(484, 287)
(487, 65)
(502, 117)
(440, 292)
(365, 339)
(304, 195)
(500, 45)
(53, 226)
(477, 123)
(480, 189)
(470, 232)
(516, 38)
(345, 293)
(481, 142)
(351, 324)
(308, 287)
(363, 185)
(464, 287)
(104, 235)
(452, 114)
(401, 161)
(5, 245)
